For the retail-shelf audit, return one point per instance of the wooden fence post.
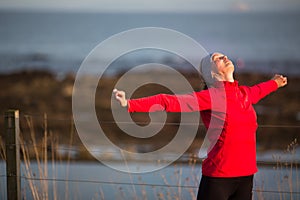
(12, 131)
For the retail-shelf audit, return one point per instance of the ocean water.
(93, 180)
(266, 42)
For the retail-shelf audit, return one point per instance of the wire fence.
(70, 120)
(137, 184)
(75, 148)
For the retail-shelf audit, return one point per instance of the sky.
(152, 5)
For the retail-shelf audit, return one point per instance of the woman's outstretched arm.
(261, 90)
(164, 102)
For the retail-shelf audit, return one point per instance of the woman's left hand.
(280, 80)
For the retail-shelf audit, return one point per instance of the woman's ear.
(216, 76)
(213, 74)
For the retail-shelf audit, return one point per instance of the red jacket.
(229, 115)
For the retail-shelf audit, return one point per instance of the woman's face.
(221, 64)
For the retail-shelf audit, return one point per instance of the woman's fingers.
(120, 96)
(280, 80)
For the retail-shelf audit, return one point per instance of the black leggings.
(237, 188)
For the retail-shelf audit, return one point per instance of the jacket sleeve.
(259, 91)
(171, 103)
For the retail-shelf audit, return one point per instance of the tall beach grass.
(43, 153)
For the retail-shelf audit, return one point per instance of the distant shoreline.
(33, 63)
(36, 93)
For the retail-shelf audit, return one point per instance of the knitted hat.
(206, 70)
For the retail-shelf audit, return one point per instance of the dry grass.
(38, 181)
(45, 156)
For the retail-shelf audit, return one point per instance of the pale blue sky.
(153, 5)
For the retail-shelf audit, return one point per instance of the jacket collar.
(226, 84)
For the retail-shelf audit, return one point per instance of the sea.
(266, 42)
(92, 180)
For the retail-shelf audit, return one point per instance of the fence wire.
(70, 119)
(190, 156)
(137, 184)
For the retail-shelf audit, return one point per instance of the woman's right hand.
(121, 97)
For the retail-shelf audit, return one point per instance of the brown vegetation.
(37, 92)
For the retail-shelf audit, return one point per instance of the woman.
(227, 172)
